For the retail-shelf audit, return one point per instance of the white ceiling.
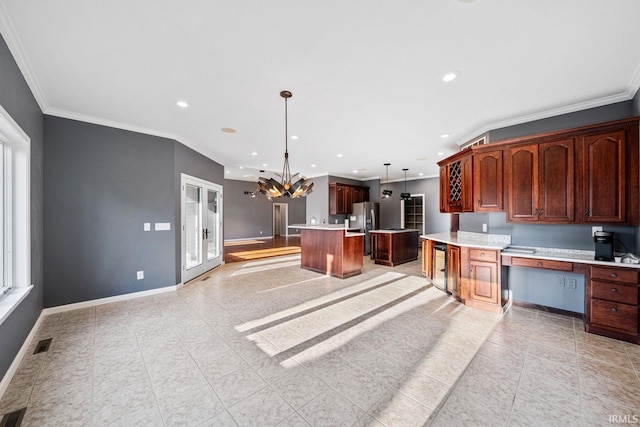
(366, 75)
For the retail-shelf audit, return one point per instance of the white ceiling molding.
(15, 47)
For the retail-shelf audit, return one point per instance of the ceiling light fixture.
(182, 104)
(445, 135)
(272, 188)
(405, 195)
(386, 193)
(449, 77)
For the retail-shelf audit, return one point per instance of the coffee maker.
(604, 245)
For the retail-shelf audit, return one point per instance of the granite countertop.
(568, 255)
(322, 227)
(393, 231)
(476, 240)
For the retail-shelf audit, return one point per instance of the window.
(15, 219)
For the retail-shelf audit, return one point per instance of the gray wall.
(246, 217)
(435, 222)
(103, 184)
(16, 98)
(636, 104)
(318, 200)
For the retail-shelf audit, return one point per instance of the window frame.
(16, 215)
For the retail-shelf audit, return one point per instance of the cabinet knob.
(614, 275)
(613, 309)
(540, 264)
(614, 290)
(482, 254)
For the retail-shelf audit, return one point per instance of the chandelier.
(274, 189)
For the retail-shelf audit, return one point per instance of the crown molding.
(7, 29)
(572, 108)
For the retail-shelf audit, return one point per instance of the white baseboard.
(8, 376)
(101, 301)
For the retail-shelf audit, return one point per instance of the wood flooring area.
(245, 250)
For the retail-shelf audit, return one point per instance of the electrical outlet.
(147, 226)
(484, 228)
(140, 275)
(560, 281)
(572, 283)
(594, 229)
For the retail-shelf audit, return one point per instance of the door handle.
(205, 233)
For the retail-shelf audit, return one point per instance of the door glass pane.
(213, 221)
(193, 226)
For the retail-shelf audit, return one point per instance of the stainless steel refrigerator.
(366, 217)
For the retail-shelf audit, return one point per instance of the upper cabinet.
(487, 181)
(540, 182)
(456, 183)
(576, 176)
(343, 196)
(604, 178)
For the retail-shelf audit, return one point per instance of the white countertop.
(555, 254)
(405, 230)
(475, 240)
(321, 227)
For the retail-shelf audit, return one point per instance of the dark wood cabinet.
(456, 192)
(343, 196)
(453, 270)
(487, 181)
(541, 182)
(427, 258)
(603, 178)
(391, 248)
(612, 304)
(481, 285)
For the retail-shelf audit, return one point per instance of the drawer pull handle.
(614, 290)
(482, 254)
(614, 275)
(539, 264)
(613, 309)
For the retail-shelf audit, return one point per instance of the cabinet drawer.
(614, 292)
(542, 263)
(621, 275)
(614, 315)
(483, 254)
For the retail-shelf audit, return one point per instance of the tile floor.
(266, 343)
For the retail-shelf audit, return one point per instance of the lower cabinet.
(481, 284)
(453, 267)
(612, 304)
(427, 258)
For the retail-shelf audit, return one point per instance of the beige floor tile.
(294, 420)
(426, 390)
(396, 409)
(469, 408)
(566, 373)
(238, 386)
(298, 387)
(264, 408)
(331, 409)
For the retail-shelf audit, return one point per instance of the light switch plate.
(163, 226)
(594, 229)
(140, 275)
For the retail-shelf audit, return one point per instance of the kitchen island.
(331, 249)
(393, 247)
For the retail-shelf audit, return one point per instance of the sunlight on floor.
(261, 253)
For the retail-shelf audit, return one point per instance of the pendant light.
(405, 195)
(386, 193)
(274, 189)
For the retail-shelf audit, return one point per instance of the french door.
(202, 249)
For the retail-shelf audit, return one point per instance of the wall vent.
(42, 346)
(13, 419)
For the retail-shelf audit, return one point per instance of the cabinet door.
(357, 195)
(340, 199)
(444, 189)
(333, 199)
(348, 200)
(483, 281)
(557, 181)
(466, 166)
(603, 183)
(487, 181)
(427, 258)
(453, 267)
(522, 183)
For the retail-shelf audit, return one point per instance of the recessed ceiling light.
(228, 171)
(254, 154)
(339, 155)
(355, 171)
(228, 130)
(441, 154)
(313, 165)
(182, 104)
(241, 167)
(449, 77)
(294, 137)
(445, 135)
(264, 165)
(420, 174)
